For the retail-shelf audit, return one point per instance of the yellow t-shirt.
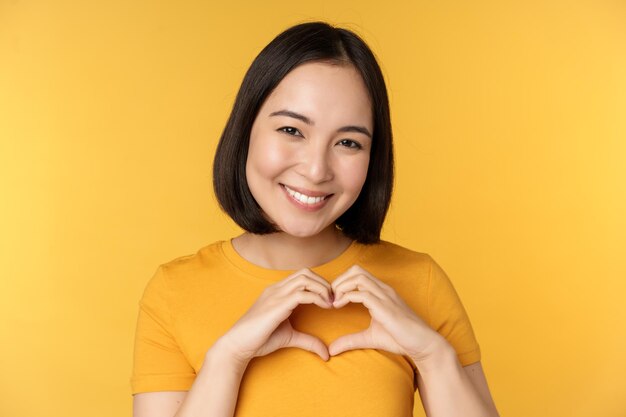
(191, 301)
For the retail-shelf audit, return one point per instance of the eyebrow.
(351, 128)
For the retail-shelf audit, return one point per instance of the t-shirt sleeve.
(448, 316)
(158, 363)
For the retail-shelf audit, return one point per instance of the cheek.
(355, 173)
(266, 158)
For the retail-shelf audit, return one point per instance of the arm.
(448, 389)
(477, 376)
(214, 392)
(263, 329)
(157, 404)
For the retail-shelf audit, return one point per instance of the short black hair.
(306, 42)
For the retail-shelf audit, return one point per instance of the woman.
(308, 312)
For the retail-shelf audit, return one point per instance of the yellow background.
(510, 130)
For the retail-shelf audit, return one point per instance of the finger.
(310, 343)
(281, 307)
(305, 297)
(368, 299)
(345, 275)
(303, 282)
(360, 340)
(306, 272)
(356, 270)
(359, 282)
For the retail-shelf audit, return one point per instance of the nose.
(316, 164)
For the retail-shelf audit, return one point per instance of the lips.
(306, 199)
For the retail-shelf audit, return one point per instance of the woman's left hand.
(394, 326)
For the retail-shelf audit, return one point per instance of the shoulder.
(390, 259)
(192, 266)
(179, 285)
(390, 252)
(202, 257)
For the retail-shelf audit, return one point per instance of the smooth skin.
(313, 133)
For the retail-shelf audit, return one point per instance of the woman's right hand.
(265, 327)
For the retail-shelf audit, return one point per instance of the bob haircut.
(306, 42)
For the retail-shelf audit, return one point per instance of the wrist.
(439, 355)
(221, 354)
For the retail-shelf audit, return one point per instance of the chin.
(301, 232)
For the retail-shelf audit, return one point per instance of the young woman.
(308, 312)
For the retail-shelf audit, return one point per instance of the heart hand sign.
(394, 327)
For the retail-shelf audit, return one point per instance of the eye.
(350, 144)
(290, 131)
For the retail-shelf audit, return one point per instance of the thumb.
(360, 340)
(308, 342)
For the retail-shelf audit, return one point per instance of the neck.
(283, 251)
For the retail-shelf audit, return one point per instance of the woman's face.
(310, 147)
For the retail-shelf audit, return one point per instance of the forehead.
(323, 92)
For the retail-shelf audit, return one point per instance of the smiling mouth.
(305, 199)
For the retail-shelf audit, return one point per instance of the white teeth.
(304, 199)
